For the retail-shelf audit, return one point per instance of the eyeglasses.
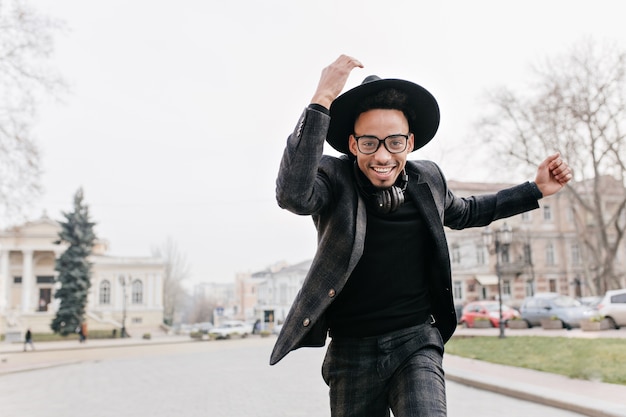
(368, 144)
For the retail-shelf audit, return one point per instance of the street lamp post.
(503, 238)
(124, 281)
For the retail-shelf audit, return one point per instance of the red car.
(486, 310)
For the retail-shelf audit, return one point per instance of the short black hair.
(388, 99)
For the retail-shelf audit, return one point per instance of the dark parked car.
(549, 305)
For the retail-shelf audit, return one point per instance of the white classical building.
(124, 290)
(276, 290)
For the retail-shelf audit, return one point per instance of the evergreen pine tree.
(74, 268)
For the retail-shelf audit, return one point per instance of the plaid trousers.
(400, 371)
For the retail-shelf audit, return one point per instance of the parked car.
(486, 310)
(204, 327)
(613, 307)
(590, 301)
(231, 328)
(549, 305)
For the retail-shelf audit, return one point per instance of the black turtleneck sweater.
(388, 288)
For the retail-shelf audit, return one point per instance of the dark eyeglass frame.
(382, 141)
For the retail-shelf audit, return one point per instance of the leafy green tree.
(74, 267)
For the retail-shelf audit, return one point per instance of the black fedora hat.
(421, 110)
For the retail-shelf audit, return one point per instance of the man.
(380, 281)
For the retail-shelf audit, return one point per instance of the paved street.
(219, 378)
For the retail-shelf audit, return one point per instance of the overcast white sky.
(179, 111)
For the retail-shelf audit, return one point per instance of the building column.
(147, 291)
(28, 284)
(158, 285)
(92, 294)
(5, 280)
(150, 280)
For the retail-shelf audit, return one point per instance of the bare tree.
(176, 271)
(576, 105)
(200, 309)
(26, 44)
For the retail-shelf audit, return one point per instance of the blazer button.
(306, 322)
(331, 293)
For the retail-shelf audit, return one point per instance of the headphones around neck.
(385, 200)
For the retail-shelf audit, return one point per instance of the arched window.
(137, 292)
(105, 292)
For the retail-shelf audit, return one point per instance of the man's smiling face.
(382, 167)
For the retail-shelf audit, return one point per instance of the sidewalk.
(588, 398)
(14, 359)
(6, 348)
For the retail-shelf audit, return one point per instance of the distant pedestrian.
(82, 332)
(28, 340)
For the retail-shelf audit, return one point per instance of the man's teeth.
(382, 170)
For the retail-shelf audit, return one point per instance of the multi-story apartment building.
(545, 253)
(125, 291)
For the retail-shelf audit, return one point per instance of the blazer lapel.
(423, 199)
(359, 235)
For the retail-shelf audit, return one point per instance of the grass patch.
(590, 359)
